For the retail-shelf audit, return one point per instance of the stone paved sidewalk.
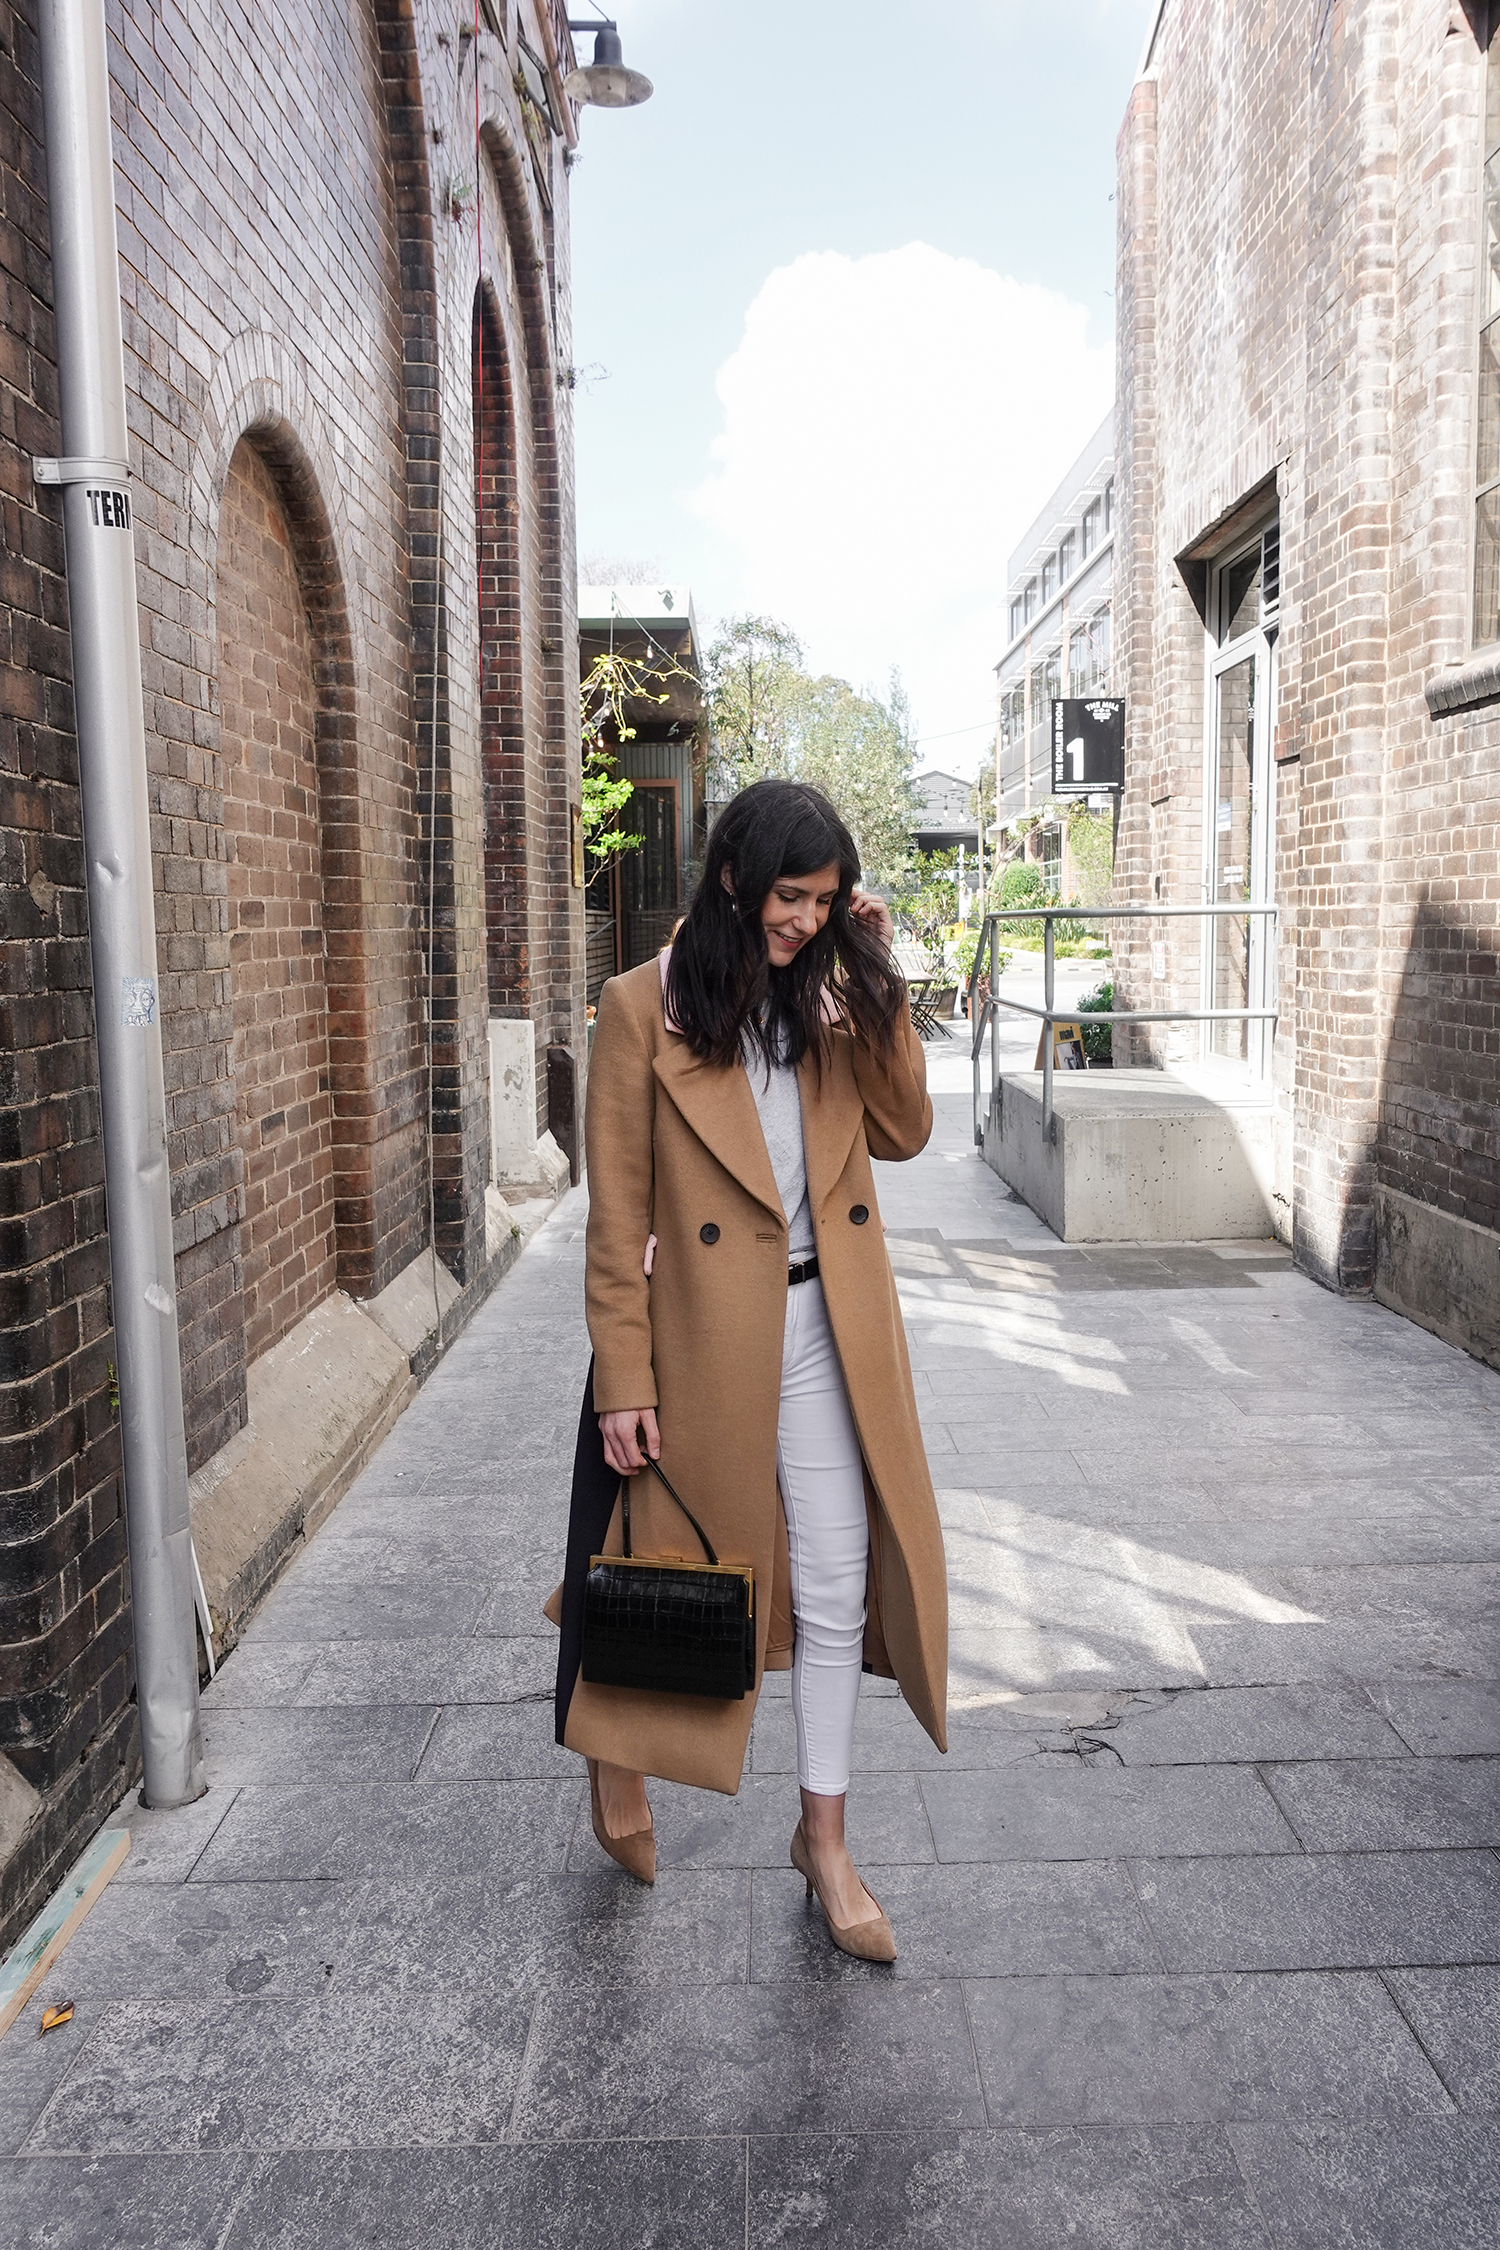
(1199, 1921)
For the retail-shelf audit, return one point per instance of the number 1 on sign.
(1074, 751)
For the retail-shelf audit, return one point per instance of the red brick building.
(343, 230)
(1306, 616)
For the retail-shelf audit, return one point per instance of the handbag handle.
(657, 1470)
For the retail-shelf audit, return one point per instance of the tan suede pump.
(865, 1941)
(637, 1853)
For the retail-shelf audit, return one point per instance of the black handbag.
(683, 1628)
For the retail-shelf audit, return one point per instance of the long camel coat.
(675, 1150)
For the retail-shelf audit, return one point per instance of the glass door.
(1238, 957)
(1229, 853)
(650, 880)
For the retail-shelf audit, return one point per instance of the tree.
(610, 684)
(982, 795)
(925, 901)
(859, 752)
(771, 718)
(1091, 847)
(754, 677)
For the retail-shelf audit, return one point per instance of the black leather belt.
(807, 1270)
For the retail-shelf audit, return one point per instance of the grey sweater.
(780, 1110)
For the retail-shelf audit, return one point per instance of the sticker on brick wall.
(137, 1002)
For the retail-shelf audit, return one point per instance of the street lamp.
(605, 82)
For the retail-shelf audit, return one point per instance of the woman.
(746, 1329)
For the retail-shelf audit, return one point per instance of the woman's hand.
(622, 1432)
(874, 917)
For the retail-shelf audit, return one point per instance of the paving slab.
(171, 2077)
(361, 1742)
(1456, 2015)
(436, 1670)
(123, 2202)
(264, 1675)
(1016, 1919)
(1072, 1810)
(1247, 1653)
(748, 2059)
(479, 1934)
(32, 2068)
(991, 1663)
(345, 1832)
(1099, 2190)
(165, 1847)
(384, 1608)
(1328, 1910)
(1179, 2050)
(1211, 1726)
(1398, 2186)
(208, 1940)
(699, 1828)
(1416, 1803)
(1437, 1717)
(490, 1742)
(547, 2198)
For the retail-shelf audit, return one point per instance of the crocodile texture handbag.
(682, 1628)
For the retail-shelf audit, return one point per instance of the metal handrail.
(987, 1018)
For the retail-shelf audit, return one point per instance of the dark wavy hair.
(722, 992)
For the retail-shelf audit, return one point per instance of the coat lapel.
(720, 1108)
(831, 1114)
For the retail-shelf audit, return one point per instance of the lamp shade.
(605, 83)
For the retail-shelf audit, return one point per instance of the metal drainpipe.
(122, 920)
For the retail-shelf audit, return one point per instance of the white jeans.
(819, 1468)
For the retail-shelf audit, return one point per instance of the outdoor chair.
(923, 1014)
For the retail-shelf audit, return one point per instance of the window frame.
(1260, 643)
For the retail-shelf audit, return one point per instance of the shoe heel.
(809, 1886)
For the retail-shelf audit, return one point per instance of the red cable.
(479, 257)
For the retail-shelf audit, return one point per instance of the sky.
(843, 316)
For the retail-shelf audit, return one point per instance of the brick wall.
(298, 281)
(66, 1672)
(1438, 1119)
(1298, 214)
(273, 834)
(502, 713)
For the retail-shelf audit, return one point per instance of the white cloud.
(891, 426)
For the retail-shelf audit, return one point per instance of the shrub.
(962, 952)
(1020, 885)
(1098, 1038)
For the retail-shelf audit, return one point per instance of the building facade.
(343, 232)
(1306, 617)
(1058, 620)
(634, 900)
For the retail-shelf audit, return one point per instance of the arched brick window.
(284, 1124)
(501, 710)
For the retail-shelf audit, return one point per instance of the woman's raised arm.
(898, 1113)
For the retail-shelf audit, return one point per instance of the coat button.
(710, 1233)
(859, 1214)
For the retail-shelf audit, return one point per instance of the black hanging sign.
(1088, 744)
